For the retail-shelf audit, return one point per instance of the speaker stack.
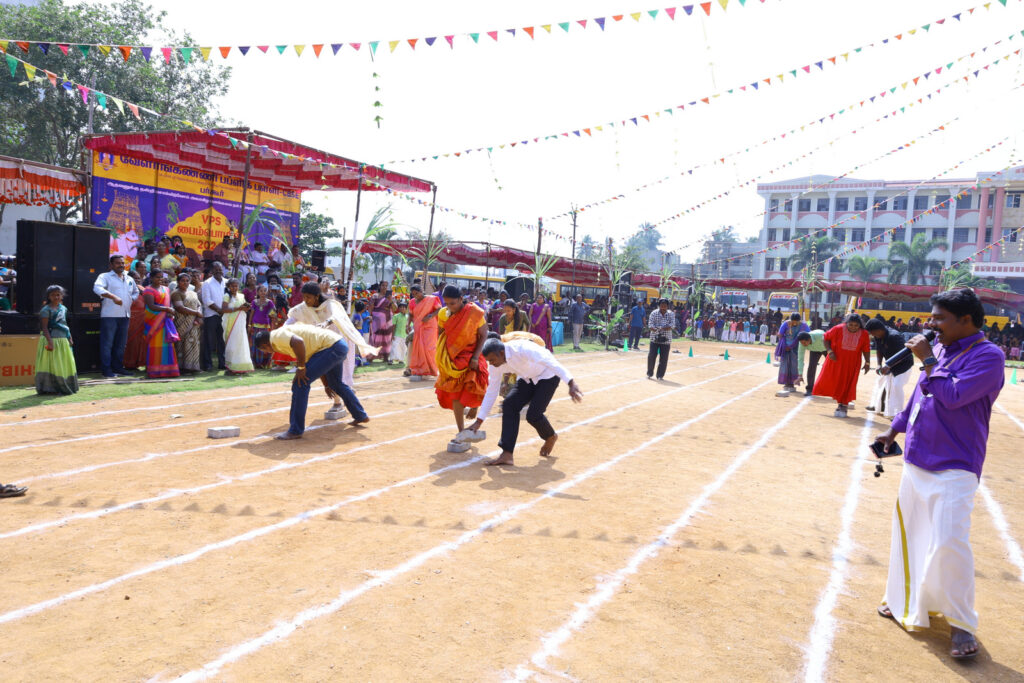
(519, 285)
(318, 260)
(71, 256)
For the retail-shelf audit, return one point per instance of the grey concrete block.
(223, 432)
(458, 446)
(335, 414)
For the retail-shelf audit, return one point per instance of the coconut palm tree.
(911, 260)
(864, 268)
(961, 276)
(816, 251)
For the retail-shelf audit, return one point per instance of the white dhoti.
(761, 338)
(931, 567)
(888, 396)
(399, 351)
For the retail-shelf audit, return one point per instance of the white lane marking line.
(607, 586)
(238, 397)
(285, 629)
(224, 480)
(824, 628)
(226, 444)
(309, 514)
(1015, 556)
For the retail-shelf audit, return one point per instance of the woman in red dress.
(838, 378)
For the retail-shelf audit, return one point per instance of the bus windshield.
(734, 298)
(787, 303)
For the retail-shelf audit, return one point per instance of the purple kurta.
(953, 407)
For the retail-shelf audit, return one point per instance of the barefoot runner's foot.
(549, 445)
(504, 459)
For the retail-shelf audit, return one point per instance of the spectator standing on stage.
(212, 296)
(813, 341)
(660, 323)
(636, 325)
(117, 291)
(888, 396)
(577, 318)
(931, 566)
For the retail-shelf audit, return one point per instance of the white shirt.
(123, 287)
(529, 362)
(260, 259)
(332, 310)
(212, 293)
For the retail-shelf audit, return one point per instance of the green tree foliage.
(314, 230)
(43, 123)
(589, 249)
(864, 268)
(631, 259)
(815, 251)
(961, 276)
(911, 260)
(646, 237)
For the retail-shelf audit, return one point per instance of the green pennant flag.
(12, 64)
(101, 99)
(903, 109)
(281, 49)
(475, 37)
(1002, 2)
(893, 89)
(793, 72)
(950, 65)
(373, 47)
(564, 26)
(653, 13)
(858, 49)
(84, 49)
(926, 27)
(234, 142)
(186, 54)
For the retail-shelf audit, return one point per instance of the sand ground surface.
(698, 528)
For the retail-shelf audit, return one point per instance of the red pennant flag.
(126, 51)
(224, 50)
(24, 45)
(167, 54)
(317, 48)
(450, 39)
(53, 78)
(706, 6)
(705, 100)
(493, 34)
(412, 42)
(64, 47)
(134, 108)
(529, 30)
(85, 93)
(832, 59)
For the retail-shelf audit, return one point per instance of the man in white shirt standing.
(117, 292)
(537, 376)
(212, 296)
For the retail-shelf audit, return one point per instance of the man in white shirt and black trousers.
(537, 376)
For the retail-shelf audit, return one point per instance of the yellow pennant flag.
(299, 49)
(30, 71)
(904, 85)
(546, 27)
(206, 53)
(119, 103)
(105, 49)
(393, 44)
(3, 45)
(636, 16)
(599, 128)
(723, 3)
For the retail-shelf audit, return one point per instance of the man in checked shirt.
(661, 323)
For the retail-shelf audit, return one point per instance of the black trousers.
(812, 368)
(537, 396)
(213, 338)
(634, 337)
(656, 349)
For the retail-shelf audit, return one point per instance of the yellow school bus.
(905, 310)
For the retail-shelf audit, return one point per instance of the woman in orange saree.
(462, 372)
(423, 352)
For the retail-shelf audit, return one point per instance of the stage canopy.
(30, 183)
(274, 161)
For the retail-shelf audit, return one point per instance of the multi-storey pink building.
(969, 224)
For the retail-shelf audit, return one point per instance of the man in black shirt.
(888, 396)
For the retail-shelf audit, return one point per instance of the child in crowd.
(401, 322)
(55, 363)
(361, 320)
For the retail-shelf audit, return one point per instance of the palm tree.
(961, 276)
(911, 260)
(864, 268)
(380, 260)
(813, 251)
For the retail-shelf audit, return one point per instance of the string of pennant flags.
(754, 86)
(826, 118)
(1009, 236)
(463, 38)
(796, 241)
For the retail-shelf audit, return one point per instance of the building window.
(941, 200)
(838, 266)
(785, 234)
(769, 264)
(991, 199)
(920, 203)
(899, 203)
(876, 233)
(899, 235)
(857, 235)
(803, 205)
(880, 203)
(860, 203)
(961, 234)
(965, 202)
(916, 232)
(823, 204)
(773, 205)
(1013, 200)
(839, 234)
(788, 206)
(771, 235)
(1010, 234)
(842, 203)
(988, 235)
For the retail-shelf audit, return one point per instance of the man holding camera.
(931, 567)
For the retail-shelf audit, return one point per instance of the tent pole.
(355, 237)
(241, 213)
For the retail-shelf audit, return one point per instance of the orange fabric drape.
(456, 380)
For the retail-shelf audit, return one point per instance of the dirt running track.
(693, 529)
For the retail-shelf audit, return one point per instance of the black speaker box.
(18, 323)
(85, 332)
(515, 286)
(92, 257)
(318, 260)
(45, 256)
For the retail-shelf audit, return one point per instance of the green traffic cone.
(691, 352)
(1013, 377)
(727, 354)
(625, 344)
(768, 359)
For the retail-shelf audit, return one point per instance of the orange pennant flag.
(412, 42)
(529, 30)
(53, 78)
(224, 50)
(706, 6)
(317, 48)
(126, 51)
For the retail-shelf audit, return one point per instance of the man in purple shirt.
(931, 567)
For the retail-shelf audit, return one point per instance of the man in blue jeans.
(117, 291)
(319, 354)
(636, 325)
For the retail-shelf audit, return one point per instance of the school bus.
(735, 298)
(787, 302)
(464, 281)
(905, 310)
(564, 290)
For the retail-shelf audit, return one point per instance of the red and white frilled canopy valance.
(33, 184)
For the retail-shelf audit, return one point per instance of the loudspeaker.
(45, 256)
(515, 286)
(18, 323)
(85, 331)
(92, 257)
(317, 260)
